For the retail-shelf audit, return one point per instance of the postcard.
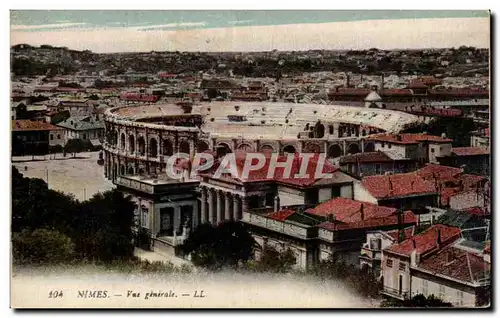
(250, 159)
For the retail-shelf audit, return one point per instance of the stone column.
(220, 216)
(177, 219)
(227, 208)
(244, 201)
(211, 204)
(203, 205)
(236, 208)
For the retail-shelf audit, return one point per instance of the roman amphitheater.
(139, 139)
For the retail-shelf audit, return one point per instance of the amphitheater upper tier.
(246, 119)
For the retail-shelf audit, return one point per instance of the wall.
(450, 292)
(56, 137)
(438, 150)
(466, 200)
(394, 148)
(289, 196)
(479, 141)
(361, 194)
(346, 191)
(391, 274)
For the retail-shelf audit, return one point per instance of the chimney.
(449, 257)
(414, 258)
(362, 212)
(276, 203)
(331, 218)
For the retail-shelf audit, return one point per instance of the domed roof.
(373, 96)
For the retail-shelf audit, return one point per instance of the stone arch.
(319, 130)
(289, 149)
(202, 146)
(141, 146)
(184, 147)
(353, 149)
(223, 148)
(267, 148)
(122, 141)
(370, 147)
(115, 138)
(131, 143)
(334, 151)
(122, 170)
(363, 132)
(131, 170)
(153, 147)
(168, 147)
(245, 147)
(312, 148)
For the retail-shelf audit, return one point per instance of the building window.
(145, 217)
(389, 146)
(389, 263)
(377, 168)
(402, 266)
(51, 137)
(383, 145)
(432, 150)
(442, 292)
(58, 136)
(424, 287)
(460, 298)
(84, 136)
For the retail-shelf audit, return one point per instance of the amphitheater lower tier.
(139, 139)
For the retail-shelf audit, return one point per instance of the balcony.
(374, 255)
(395, 293)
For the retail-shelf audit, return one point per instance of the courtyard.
(80, 176)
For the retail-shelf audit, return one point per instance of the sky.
(134, 31)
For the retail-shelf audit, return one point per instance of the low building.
(406, 191)
(441, 262)
(85, 128)
(474, 160)
(375, 163)
(480, 138)
(423, 148)
(168, 209)
(30, 137)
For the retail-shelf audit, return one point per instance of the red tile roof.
(427, 241)
(477, 211)
(470, 151)
(408, 232)
(396, 92)
(408, 138)
(376, 222)
(32, 125)
(281, 215)
(487, 248)
(416, 83)
(366, 157)
(398, 185)
(431, 171)
(260, 175)
(457, 264)
(350, 91)
(470, 92)
(347, 210)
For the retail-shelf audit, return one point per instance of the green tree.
(274, 261)
(41, 246)
(75, 146)
(418, 300)
(103, 227)
(214, 247)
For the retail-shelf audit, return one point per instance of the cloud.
(169, 26)
(45, 26)
(239, 22)
(408, 34)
